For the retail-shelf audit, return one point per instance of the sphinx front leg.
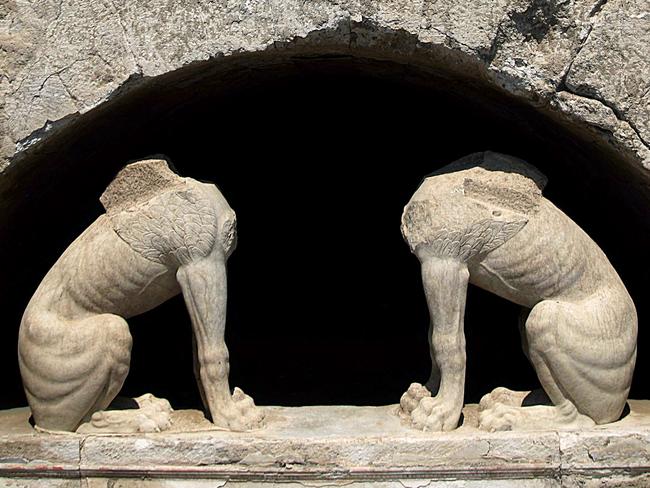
(445, 286)
(204, 287)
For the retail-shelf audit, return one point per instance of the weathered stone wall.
(584, 62)
(67, 65)
(336, 446)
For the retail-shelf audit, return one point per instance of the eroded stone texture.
(53, 482)
(152, 415)
(61, 58)
(483, 220)
(613, 66)
(537, 40)
(336, 445)
(161, 235)
(403, 483)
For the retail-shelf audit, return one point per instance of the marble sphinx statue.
(483, 220)
(161, 235)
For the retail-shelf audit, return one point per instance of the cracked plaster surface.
(335, 446)
(584, 61)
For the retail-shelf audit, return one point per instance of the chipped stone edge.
(563, 464)
(620, 132)
(596, 453)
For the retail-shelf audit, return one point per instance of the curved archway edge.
(66, 61)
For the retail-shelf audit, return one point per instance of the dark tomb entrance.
(317, 155)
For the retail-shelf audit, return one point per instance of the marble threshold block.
(328, 446)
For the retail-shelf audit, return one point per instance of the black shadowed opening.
(317, 156)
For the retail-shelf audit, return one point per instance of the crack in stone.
(534, 23)
(67, 90)
(50, 126)
(562, 83)
(99, 55)
(20, 85)
(590, 455)
(454, 40)
(564, 87)
(498, 41)
(617, 113)
(487, 56)
(597, 7)
(82, 443)
(56, 73)
(553, 465)
(125, 35)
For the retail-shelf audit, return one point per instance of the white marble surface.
(331, 445)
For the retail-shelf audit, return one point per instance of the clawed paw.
(501, 409)
(502, 396)
(411, 399)
(241, 414)
(154, 415)
(565, 416)
(435, 415)
(428, 413)
(499, 417)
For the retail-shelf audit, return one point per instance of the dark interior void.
(318, 157)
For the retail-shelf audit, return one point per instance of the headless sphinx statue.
(161, 235)
(483, 220)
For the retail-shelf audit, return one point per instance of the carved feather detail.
(479, 238)
(179, 225)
